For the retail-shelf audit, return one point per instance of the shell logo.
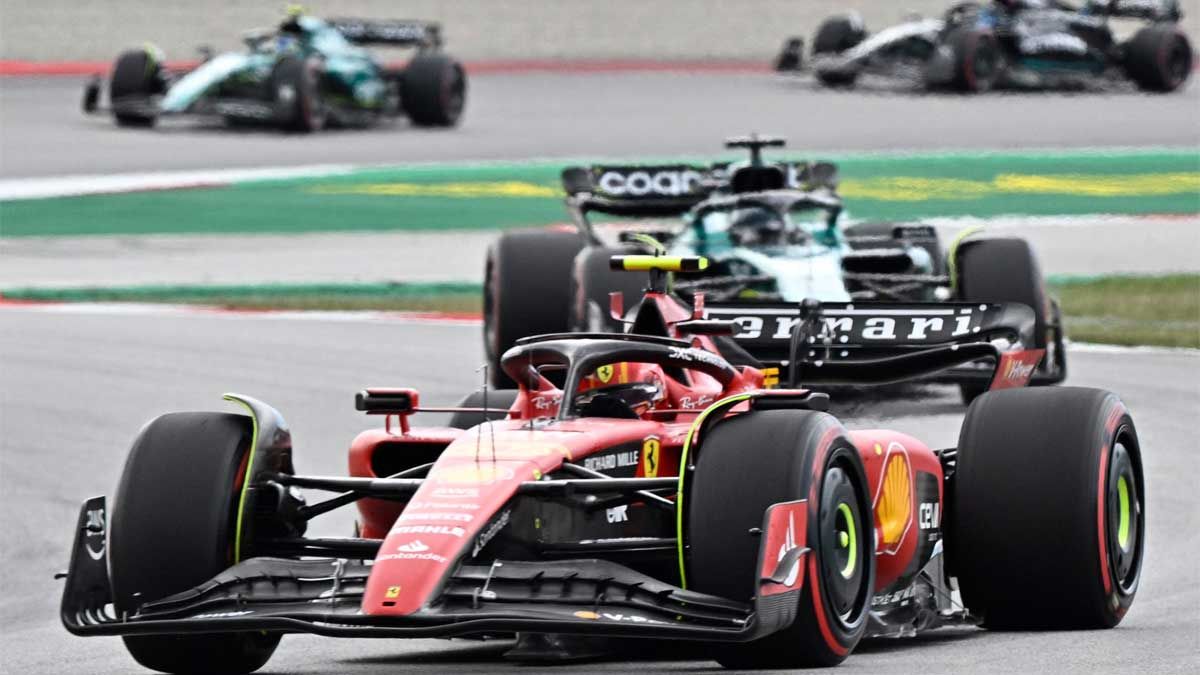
(893, 510)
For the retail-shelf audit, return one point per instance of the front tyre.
(977, 61)
(835, 35)
(743, 465)
(295, 87)
(173, 525)
(1046, 527)
(137, 75)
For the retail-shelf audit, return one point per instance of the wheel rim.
(1178, 64)
(985, 64)
(841, 554)
(454, 94)
(1124, 522)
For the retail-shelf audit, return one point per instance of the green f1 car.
(302, 76)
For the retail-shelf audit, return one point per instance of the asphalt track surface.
(43, 132)
(77, 386)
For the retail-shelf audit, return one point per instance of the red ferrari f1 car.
(636, 484)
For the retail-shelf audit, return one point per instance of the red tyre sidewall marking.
(969, 66)
(815, 578)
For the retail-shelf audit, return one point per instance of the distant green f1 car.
(302, 76)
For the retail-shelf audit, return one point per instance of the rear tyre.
(497, 398)
(743, 466)
(591, 282)
(525, 291)
(1047, 516)
(295, 86)
(835, 35)
(1001, 270)
(137, 75)
(1158, 58)
(977, 59)
(173, 525)
(434, 90)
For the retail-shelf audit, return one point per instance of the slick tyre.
(434, 90)
(173, 524)
(835, 35)
(591, 282)
(525, 290)
(136, 76)
(1001, 270)
(296, 90)
(499, 399)
(1158, 58)
(977, 60)
(1046, 525)
(743, 465)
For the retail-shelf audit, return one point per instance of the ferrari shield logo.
(393, 592)
(604, 373)
(650, 450)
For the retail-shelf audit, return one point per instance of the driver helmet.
(756, 226)
(620, 390)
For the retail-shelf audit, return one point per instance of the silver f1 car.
(1006, 43)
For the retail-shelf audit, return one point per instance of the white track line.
(69, 186)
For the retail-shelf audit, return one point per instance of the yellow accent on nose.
(663, 263)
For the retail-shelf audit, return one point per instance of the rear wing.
(881, 343)
(1150, 10)
(665, 190)
(393, 33)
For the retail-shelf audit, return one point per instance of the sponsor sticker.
(929, 515)
(617, 514)
(94, 540)
(491, 531)
(689, 403)
(440, 506)
(604, 373)
(470, 472)
(612, 460)
(650, 455)
(448, 530)
(224, 615)
(650, 182)
(456, 493)
(786, 531)
(615, 616)
(435, 515)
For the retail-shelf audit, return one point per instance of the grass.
(1132, 310)
(1122, 310)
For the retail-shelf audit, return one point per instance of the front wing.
(324, 597)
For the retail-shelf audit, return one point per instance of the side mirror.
(707, 327)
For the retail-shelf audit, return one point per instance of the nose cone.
(461, 504)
